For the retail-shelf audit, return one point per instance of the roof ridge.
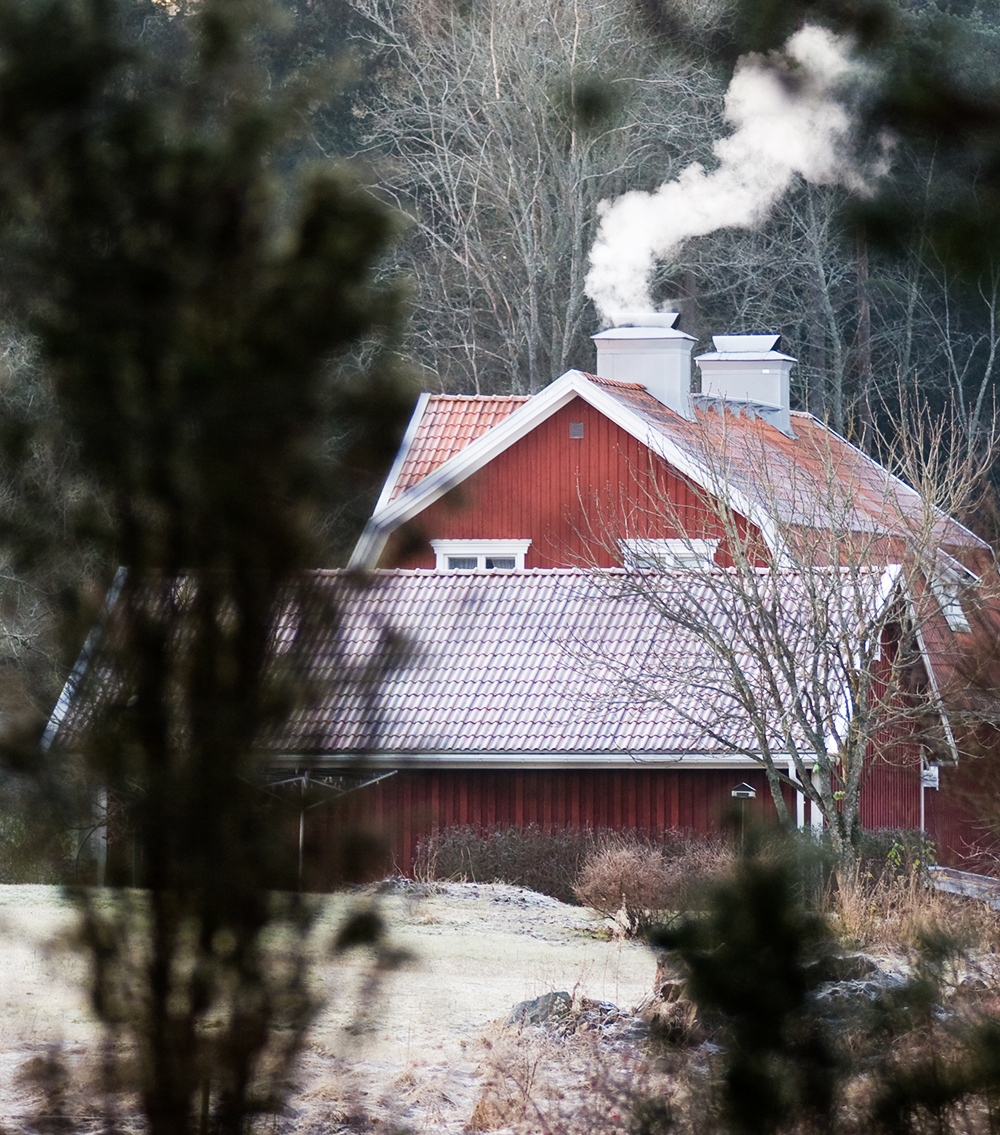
(482, 397)
(613, 382)
(592, 572)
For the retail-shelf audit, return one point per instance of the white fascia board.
(404, 448)
(956, 567)
(473, 457)
(372, 539)
(938, 701)
(68, 692)
(521, 760)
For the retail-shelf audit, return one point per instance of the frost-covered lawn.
(476, 950)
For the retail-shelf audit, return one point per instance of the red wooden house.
(625, 469)
(539, 557)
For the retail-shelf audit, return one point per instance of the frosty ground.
(414, 1057)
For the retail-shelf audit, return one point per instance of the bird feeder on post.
(743, 793)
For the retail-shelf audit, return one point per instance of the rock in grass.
(541, 1010)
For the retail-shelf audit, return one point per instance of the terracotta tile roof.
(814, 479)
(448, 424)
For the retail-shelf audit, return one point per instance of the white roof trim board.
(527, 760)
(404, 450)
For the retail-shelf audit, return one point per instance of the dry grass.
(896, 913)
(570, 1084)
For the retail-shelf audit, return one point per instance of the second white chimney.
(645, 348)
(748, 369)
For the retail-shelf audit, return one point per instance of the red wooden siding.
(964, 813)
(573, 497)
(890, 795)
(413, 803)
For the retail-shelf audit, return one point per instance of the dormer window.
(675, 553)
(480, 555)
(946, 588)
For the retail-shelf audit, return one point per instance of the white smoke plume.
(779, 132)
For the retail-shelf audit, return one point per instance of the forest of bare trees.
(499, 128)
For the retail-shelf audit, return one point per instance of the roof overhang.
(515, 760)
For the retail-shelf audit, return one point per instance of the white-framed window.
(479, 555)
(673, 552)
(946, 587)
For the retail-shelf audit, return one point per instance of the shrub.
(624, 875)
(33, 846)
(544, 860)
(635, 876)
(552, 861)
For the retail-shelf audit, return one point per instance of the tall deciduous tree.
(186, 302)
(499, 128)
(860, 321)
(807, 646)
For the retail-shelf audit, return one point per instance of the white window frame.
(480, 549)
(673, 553)
(946, 587)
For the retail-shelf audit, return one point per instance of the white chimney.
(748, 369)
(645, 348)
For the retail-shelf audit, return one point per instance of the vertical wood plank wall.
(572, 497)
(405, 807)
(964, 816)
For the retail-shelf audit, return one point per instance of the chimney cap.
(642, 325)
(745, 348)
(643, 318)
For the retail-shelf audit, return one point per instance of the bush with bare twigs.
(892, 907)
(543, 860)
(631, 878)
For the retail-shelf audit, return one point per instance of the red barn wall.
(890, 795)
(568, 495)
(408, 806)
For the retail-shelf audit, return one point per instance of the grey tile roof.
(423, 664)
(554, 661)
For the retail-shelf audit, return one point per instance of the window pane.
(500, 563)
(463, 563)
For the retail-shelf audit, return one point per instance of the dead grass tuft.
(895, 913)
(573, 1083)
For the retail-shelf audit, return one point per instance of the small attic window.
(576, 429)
(676, 553)
(946, 589)
(479, 555)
